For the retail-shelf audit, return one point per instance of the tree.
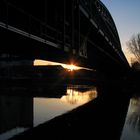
(134, 46)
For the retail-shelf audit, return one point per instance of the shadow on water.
(22, 108)
(16, 115)
(102, 117)
(17, 107)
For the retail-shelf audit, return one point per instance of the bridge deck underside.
(64, 32)
(30, 49)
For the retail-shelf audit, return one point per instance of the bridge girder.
(79, 35)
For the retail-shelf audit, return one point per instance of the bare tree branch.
(134, 46)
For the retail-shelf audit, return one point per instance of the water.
(131, 130)
(21, 111)
(23, 108)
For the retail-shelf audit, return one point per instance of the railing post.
(7, 11)
(64, 24)
(72, 26)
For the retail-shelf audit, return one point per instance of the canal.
(109, 109)
(20, 110)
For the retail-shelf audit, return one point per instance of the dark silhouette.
(102, 117)
(82, 32)
(136, 65)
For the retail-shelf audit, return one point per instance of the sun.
(71, 67)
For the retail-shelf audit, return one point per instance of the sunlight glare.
(66, 66)
(70, 67)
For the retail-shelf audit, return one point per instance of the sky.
(126, 15)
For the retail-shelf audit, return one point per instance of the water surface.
(22, 110)
(131, 130)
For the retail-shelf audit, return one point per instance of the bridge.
(79, 31)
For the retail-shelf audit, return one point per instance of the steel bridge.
(79, 31)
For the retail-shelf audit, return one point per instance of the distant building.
(136, 65)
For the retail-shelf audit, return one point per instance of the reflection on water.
(22, 111)
(131, 130)
(46, 108)
(75, 96)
